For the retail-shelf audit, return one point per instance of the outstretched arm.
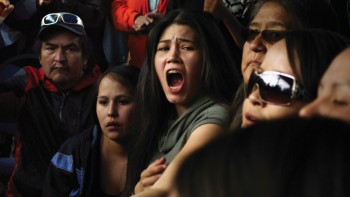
(218, 9)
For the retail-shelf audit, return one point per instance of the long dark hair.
(219, 76)
(312, 51)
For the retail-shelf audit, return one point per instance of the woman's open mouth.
(175, 80)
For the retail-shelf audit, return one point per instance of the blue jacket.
(74, 169)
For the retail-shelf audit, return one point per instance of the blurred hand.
(5, 9)
(145, 21)
(150, 175)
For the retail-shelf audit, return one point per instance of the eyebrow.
(64, 46)
(177, 39)
(334, 85)
(270, 24)
(117, 97)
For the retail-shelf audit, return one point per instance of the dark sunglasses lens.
(249, 34)
(69, 18)
(50, 19)
(272, 36)
(276, 89)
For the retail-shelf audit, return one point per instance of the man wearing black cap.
(57, 98)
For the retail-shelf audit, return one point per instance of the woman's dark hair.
(290, 157)
(312, 51)
(219, 80)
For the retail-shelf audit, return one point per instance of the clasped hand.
(150, 175)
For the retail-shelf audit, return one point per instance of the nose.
(173, 55)
(258, 45)
(112, 111)
(60, 55)
(312, 109)
(254, 96)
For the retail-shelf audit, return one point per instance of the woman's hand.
(150, 175)
(5, 9)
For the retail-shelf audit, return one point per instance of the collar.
(35, 75)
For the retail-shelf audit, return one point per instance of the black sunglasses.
(270, 36)
(275, 87)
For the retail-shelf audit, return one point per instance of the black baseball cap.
(62, 20)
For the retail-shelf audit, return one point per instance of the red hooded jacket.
(123, 14)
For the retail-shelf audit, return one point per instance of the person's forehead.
(178, 30)
(65, 36)
(273, 14)
(277, 58)
(343, 59)
(339, 68)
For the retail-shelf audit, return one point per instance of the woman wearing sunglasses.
(270, 18)
(268, 21)
(289, 75)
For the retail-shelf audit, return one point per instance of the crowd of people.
(216, 98)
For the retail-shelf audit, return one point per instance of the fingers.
(148, 182)
(150, 175)
(154, 16)
(141, 22)
(159, 161)
(154, 168)
(7, 10)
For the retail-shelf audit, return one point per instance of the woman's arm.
(217, 9)
(200, 137)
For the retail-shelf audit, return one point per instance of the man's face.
(62, 59)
